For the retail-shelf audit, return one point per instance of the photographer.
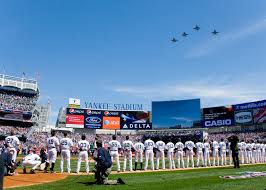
(103, 166)
(234, 148)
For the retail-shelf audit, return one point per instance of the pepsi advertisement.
(93, 119)
(218, 116)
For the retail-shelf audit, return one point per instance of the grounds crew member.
(103, 166)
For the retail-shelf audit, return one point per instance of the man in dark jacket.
(234, 148)
(103, 166)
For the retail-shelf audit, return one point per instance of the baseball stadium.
(153, 153)
(143, 94)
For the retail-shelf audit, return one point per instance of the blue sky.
(120, 51)
(166, 114)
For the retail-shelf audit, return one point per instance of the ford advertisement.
(93, 119)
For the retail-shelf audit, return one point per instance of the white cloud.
(211, 92)
(223, 39)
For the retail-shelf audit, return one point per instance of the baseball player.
(149, 154)
(160, 145)
(258, 147)
(215, 153)
(243, 152)
(179, 146)
(228, 145)
(199, 146)
(33, 160)
(254, 152)
(114, 146)
(83, 147)
(127, 146)
(170, 147)
(139, 148)
(189, 145)
(263, 152)
(222, 146)
(249, 152)
(13, 143)
(52, 146)
(206, 155)
(65, 145)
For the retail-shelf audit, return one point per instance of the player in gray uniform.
(52, 147)
(139, 148)
(206, 155)
(83, 147)
(179, 146)
(12, 142)
(160, 145)
(170, 147)
(114, 146)
(65, 145)
(189, 145)
(127, 146)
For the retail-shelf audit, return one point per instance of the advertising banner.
(250, 105)
(259, 115)
(244, 117)
(74, 118)
(218, 116)
(136, 120)
(93, 119)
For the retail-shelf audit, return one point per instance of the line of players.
(249, 153)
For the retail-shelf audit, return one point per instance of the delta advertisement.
(103, 119)
(218, 116)
(250, 113)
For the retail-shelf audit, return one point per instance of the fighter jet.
(197, 28)
(174, 40)
(184, 34)
(215, 32)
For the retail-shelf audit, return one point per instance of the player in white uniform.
(65, 145)
(114, 146)
(228, 145)
(215, 152)
(139, 148)
(149, 154)
(12, 143)
(190, 146)
(127, 146)
(243, 152)
(180, 153)
(249, 152)
(254, 152)
(170, 147)
(222, 146)
(199, 147)
(160, 145)
(52, 147)
(258, 147)
(83, 147)
(206, 155)
(33, 160)
(263, 152)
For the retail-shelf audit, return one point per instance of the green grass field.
(197, 179)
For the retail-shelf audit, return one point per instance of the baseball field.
(189, 179)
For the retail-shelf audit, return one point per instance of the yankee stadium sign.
(109, 106)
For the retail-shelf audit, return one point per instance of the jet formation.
(196, 29)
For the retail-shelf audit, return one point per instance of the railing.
(21, 83)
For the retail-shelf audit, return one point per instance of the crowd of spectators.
(18, 102)
(20, 131)
(249, 136)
